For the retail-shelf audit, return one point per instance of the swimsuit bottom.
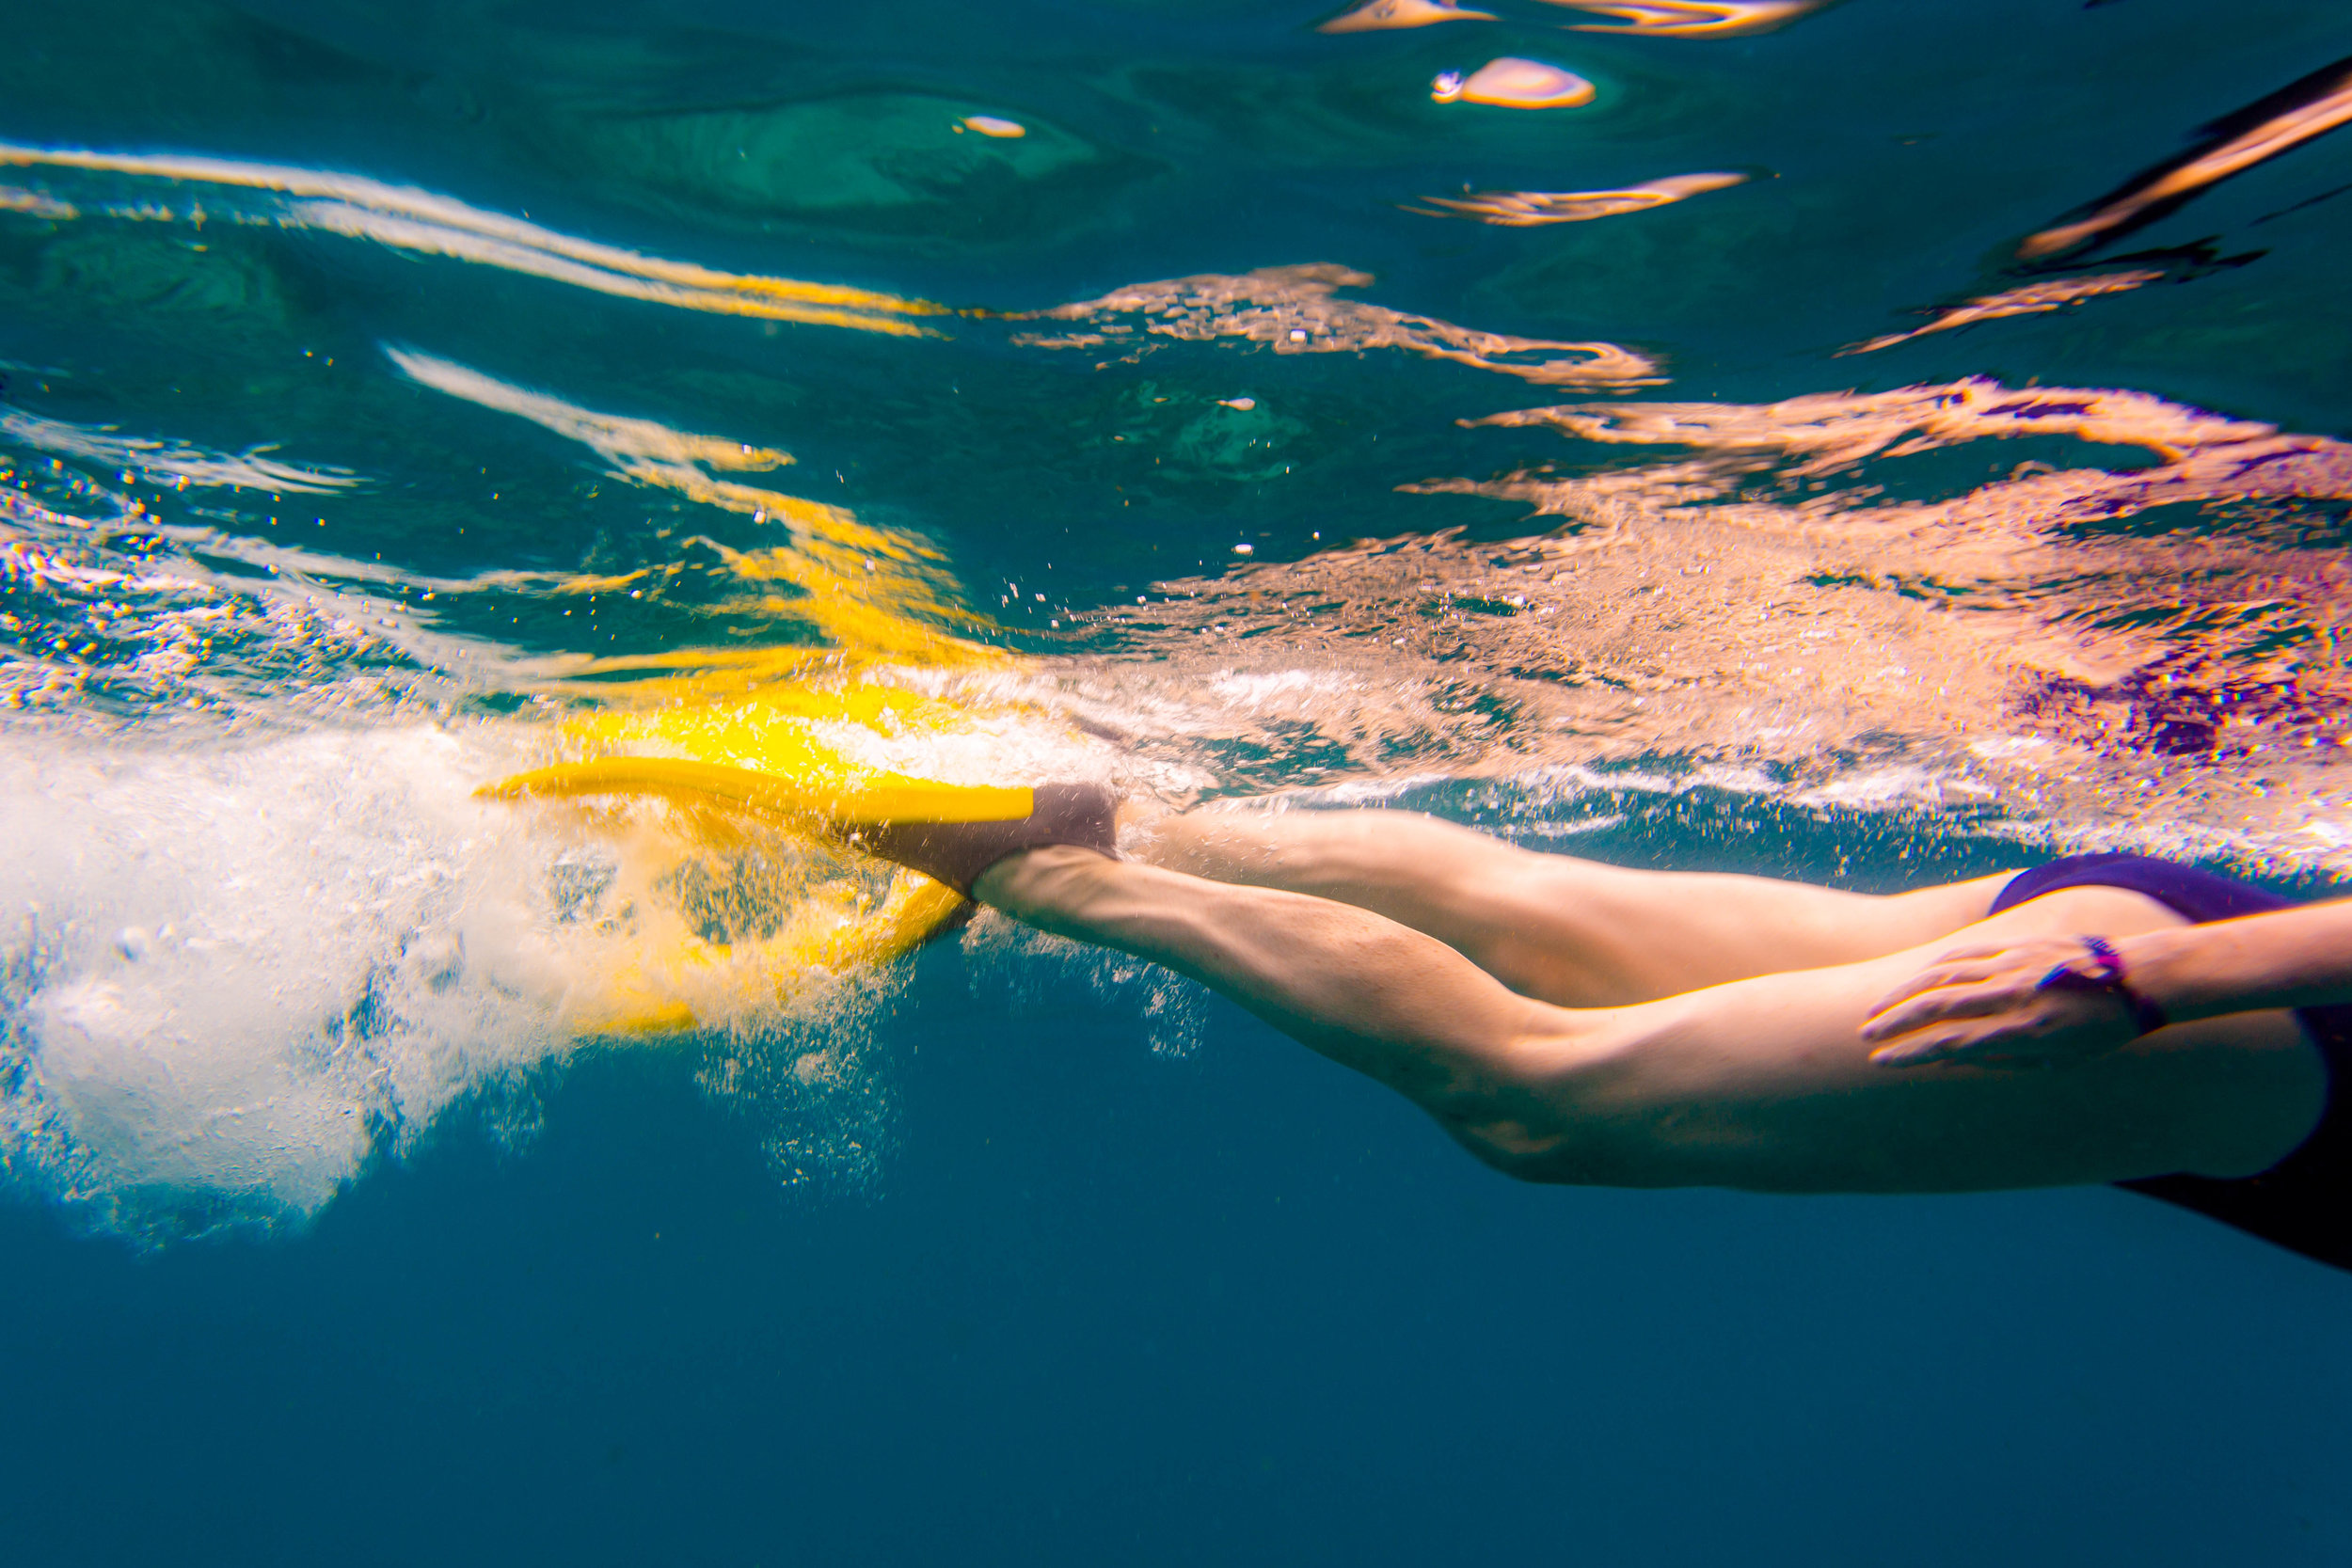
(2301, 1202)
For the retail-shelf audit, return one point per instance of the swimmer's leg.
(1574, 932)
(1362, 990)
(1762, 1084)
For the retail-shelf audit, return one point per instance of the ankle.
(1030, 880)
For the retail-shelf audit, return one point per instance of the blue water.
(389, 387)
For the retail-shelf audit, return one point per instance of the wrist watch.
(2103, 972)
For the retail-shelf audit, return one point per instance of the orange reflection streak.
(1292, 310)
(1836, 430)
(1528, 209)
(1692, 19)
(2033, 299)
(1381, 14)
(405, 218)
(2262, 131)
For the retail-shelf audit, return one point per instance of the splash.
(234, 976)
(249, 963)
(405, 218)
(1295, 310)
(110, 611)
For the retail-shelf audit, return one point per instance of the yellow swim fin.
(685, 983)
(652, 997)
(887, 799)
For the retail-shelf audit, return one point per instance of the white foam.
(232, 975)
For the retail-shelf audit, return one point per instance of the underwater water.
(1882, 442)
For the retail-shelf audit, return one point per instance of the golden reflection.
(873, 594)
(1692, 19)
(2031, 299)
(1514, 83)
(2150, 648)
(1293, 311)
(33, 203)
(1379, 14)
(2284, 120)
(405, 218)
(1528, 209)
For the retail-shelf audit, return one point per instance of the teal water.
(387, 387)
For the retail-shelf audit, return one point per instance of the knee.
(1553, 1110)
(1516, 1150)
(1518, 1111)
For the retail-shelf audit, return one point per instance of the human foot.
(1085, 815)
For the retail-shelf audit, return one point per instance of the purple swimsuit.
(2300, 1203)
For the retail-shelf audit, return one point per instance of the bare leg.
(1574, 932)
(1762, 1084)
(1369, 993)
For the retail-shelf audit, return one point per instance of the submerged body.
(1572, 1022)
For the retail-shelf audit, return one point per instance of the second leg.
(1577, 933)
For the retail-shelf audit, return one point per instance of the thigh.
(1573, 932)
(1766, 1083)
(1598, 935)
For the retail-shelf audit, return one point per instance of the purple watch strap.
(2106, 973)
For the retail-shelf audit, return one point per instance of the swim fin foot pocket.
(1085, 815)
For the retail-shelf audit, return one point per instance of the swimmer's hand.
(1986, 1004)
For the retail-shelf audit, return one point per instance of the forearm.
(2300, 958)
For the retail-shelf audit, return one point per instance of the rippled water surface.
(1876, 442)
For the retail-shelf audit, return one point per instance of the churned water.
(1875, 442)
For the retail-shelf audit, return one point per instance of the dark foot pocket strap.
(957, 853)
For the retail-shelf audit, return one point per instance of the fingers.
(1916, 1052)
(1943, 996)
(1944, 1005)
(1955, 968)
(1980, 1004)
(1941, 1045)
